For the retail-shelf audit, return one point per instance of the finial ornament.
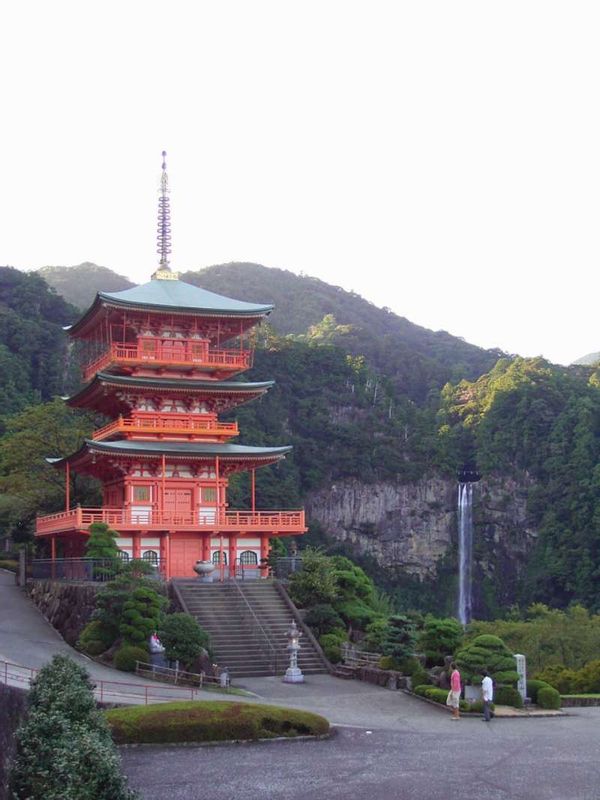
(164, 227)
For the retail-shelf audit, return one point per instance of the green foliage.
(126, 656)
(376, 633)
(102, 544)
(547, 697)
(331, 644)
(182, 637)
(399, 640)
(533, 687)
(388, 662)
(64, 749)
(210, 722)
(440, 696)
(508, 696)
(490, 653)
(141, 615)
(440, 638)
(568, 681)
(29, 485)
(323, 618)
(315, 583)
(95, 638)
(548, 636)
(420, 677)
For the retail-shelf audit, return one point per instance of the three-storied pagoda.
(161, 361)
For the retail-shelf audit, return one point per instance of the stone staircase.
(247, 623)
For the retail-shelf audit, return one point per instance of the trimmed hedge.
(210, 722)
(533, 687)
(127, 655)
(508, 696)
(548, 697)
(9, 564)
(440, 696)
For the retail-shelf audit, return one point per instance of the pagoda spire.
(163, 238)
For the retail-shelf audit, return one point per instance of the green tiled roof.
(183, 448)
(181, 296)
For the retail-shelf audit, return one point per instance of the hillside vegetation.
(79, 285)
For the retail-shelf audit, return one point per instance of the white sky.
(441, 158)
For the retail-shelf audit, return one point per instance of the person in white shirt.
(487, 694)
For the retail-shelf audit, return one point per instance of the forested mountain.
(375, 466)
(414, 359)
(33, 346)
(78, 285)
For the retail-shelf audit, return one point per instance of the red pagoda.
(161, 362)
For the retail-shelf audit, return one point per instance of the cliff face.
(410, 527)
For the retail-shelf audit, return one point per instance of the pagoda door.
(178, 506)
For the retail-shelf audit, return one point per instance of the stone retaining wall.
(67, 606)
(576, 702)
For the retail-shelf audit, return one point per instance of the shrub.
(440, 638)
(588, 678)
(96, 637)
(9, 564)
(64, 748)
(210, 722)
(323, 618)
(441, 695)
(141, 615)
(356, 613)
(388, 662)
(399, 640)
(331, 644)
(420, 676)
(408, 666)
(316, 582)
(376, 632)
(127, 655)
(490, 653)
(508, 696)
(182, 638)
(563, 679)
(548, 697)
(533, 687)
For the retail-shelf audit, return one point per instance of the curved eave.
(185, 385)
(172, 450)
(174, 297)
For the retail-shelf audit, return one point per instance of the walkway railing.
(353, 657)
(180, 677)
(260, 631)
(285, 566)
(259, 521)
(82, 570)
(106, 691)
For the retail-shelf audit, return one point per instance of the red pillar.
(264, 552)
(67, 486)
(137, 542)
(253, 489)
(165, 555)
(232, 553)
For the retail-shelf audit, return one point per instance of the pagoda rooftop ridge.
(158, 449)
(174, 297)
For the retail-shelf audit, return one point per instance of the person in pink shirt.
(454, 694)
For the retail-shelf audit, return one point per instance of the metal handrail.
(257, 623)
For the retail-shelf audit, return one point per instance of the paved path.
(388, 745)
(27, 639)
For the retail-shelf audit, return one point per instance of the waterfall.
(465, 551)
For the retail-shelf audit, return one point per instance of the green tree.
(399, 638)
(141, 616)
(489, 653)
(182, 637)
(440, 638)
(101, 542)
(64, 749)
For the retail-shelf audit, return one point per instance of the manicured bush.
(182, 637)
(490, 653)
(441, 695)
(399, 640)
(332, 646)
(96, 637)
(440, 638)
(508, 696)
(210, 722)
(388, 662)
(548, 697)
(376, 633)
(9, 564)
(64, 747)
(323, 618)
(533, 687)
(127, 655)
(410, 666)
(420, 677)
(588, 678)
(141, 615)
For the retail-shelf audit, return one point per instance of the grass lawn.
(597, 694)
(210, 721)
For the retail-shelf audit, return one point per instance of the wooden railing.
(174, 352)
(259, 521)
(169, 424)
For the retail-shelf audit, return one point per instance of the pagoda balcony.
(166, 425)
(184, 354)
(79, 519)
